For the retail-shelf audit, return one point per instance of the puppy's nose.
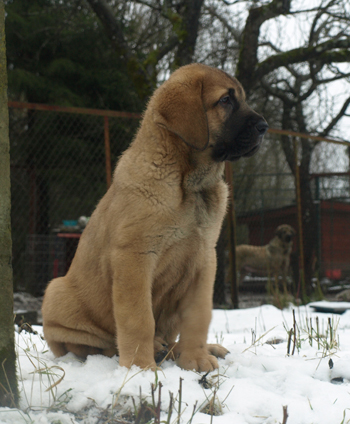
(262, 127)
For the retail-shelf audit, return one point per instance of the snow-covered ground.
(255, 380)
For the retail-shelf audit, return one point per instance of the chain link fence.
(61, 164)
(60, 168)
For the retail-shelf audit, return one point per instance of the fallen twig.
(285, 414)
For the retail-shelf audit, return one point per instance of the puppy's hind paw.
(217, 350)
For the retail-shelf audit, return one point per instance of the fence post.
(107, 152)
(318, 216)
(32, 200)
(231, 220)
(262, 219)
(300, 223)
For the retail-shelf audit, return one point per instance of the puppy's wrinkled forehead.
(214, 82)
(218, 83)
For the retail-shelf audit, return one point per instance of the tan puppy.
(272, 259)
(144, 270)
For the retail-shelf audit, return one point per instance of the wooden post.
(8, 375)
(300, 222)
(231, 221)
(107, 152)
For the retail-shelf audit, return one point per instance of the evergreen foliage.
(58, 53)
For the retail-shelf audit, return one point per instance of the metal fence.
(61, 164)
(61, 161)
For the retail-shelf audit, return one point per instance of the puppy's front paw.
(217, 350)
(198, 360)
(143, 363)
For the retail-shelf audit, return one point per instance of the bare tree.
(165, 29)
(8, 378)
(291, 84)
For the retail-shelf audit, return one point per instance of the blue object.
(70, 223)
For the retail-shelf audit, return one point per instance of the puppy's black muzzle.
(241, 136)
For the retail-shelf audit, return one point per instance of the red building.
(333, 235)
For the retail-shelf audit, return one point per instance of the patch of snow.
(255, 380)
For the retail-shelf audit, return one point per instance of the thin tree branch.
(150, 5)
(323, 52)
(112, 26)
(314, 34)
(163, 50)
(235, 33)
(276, 92)
(337, 118)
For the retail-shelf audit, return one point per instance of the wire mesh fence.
(61, 161)
(58, 174)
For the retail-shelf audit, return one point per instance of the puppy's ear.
(279, 231)
(179, 108)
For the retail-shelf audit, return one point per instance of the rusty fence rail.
(61, 164)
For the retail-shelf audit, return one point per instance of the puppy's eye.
(225, 100)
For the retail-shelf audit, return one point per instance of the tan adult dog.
(144, 270)
(272, 259)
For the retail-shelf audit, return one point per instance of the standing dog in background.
(272, 259)
(144, 270)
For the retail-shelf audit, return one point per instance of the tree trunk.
(189, 32)
(8, 378)
(246, 71)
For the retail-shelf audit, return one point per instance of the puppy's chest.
(195, 222)
(208, 207)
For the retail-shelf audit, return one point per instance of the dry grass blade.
(58, 381)
(257, 340)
